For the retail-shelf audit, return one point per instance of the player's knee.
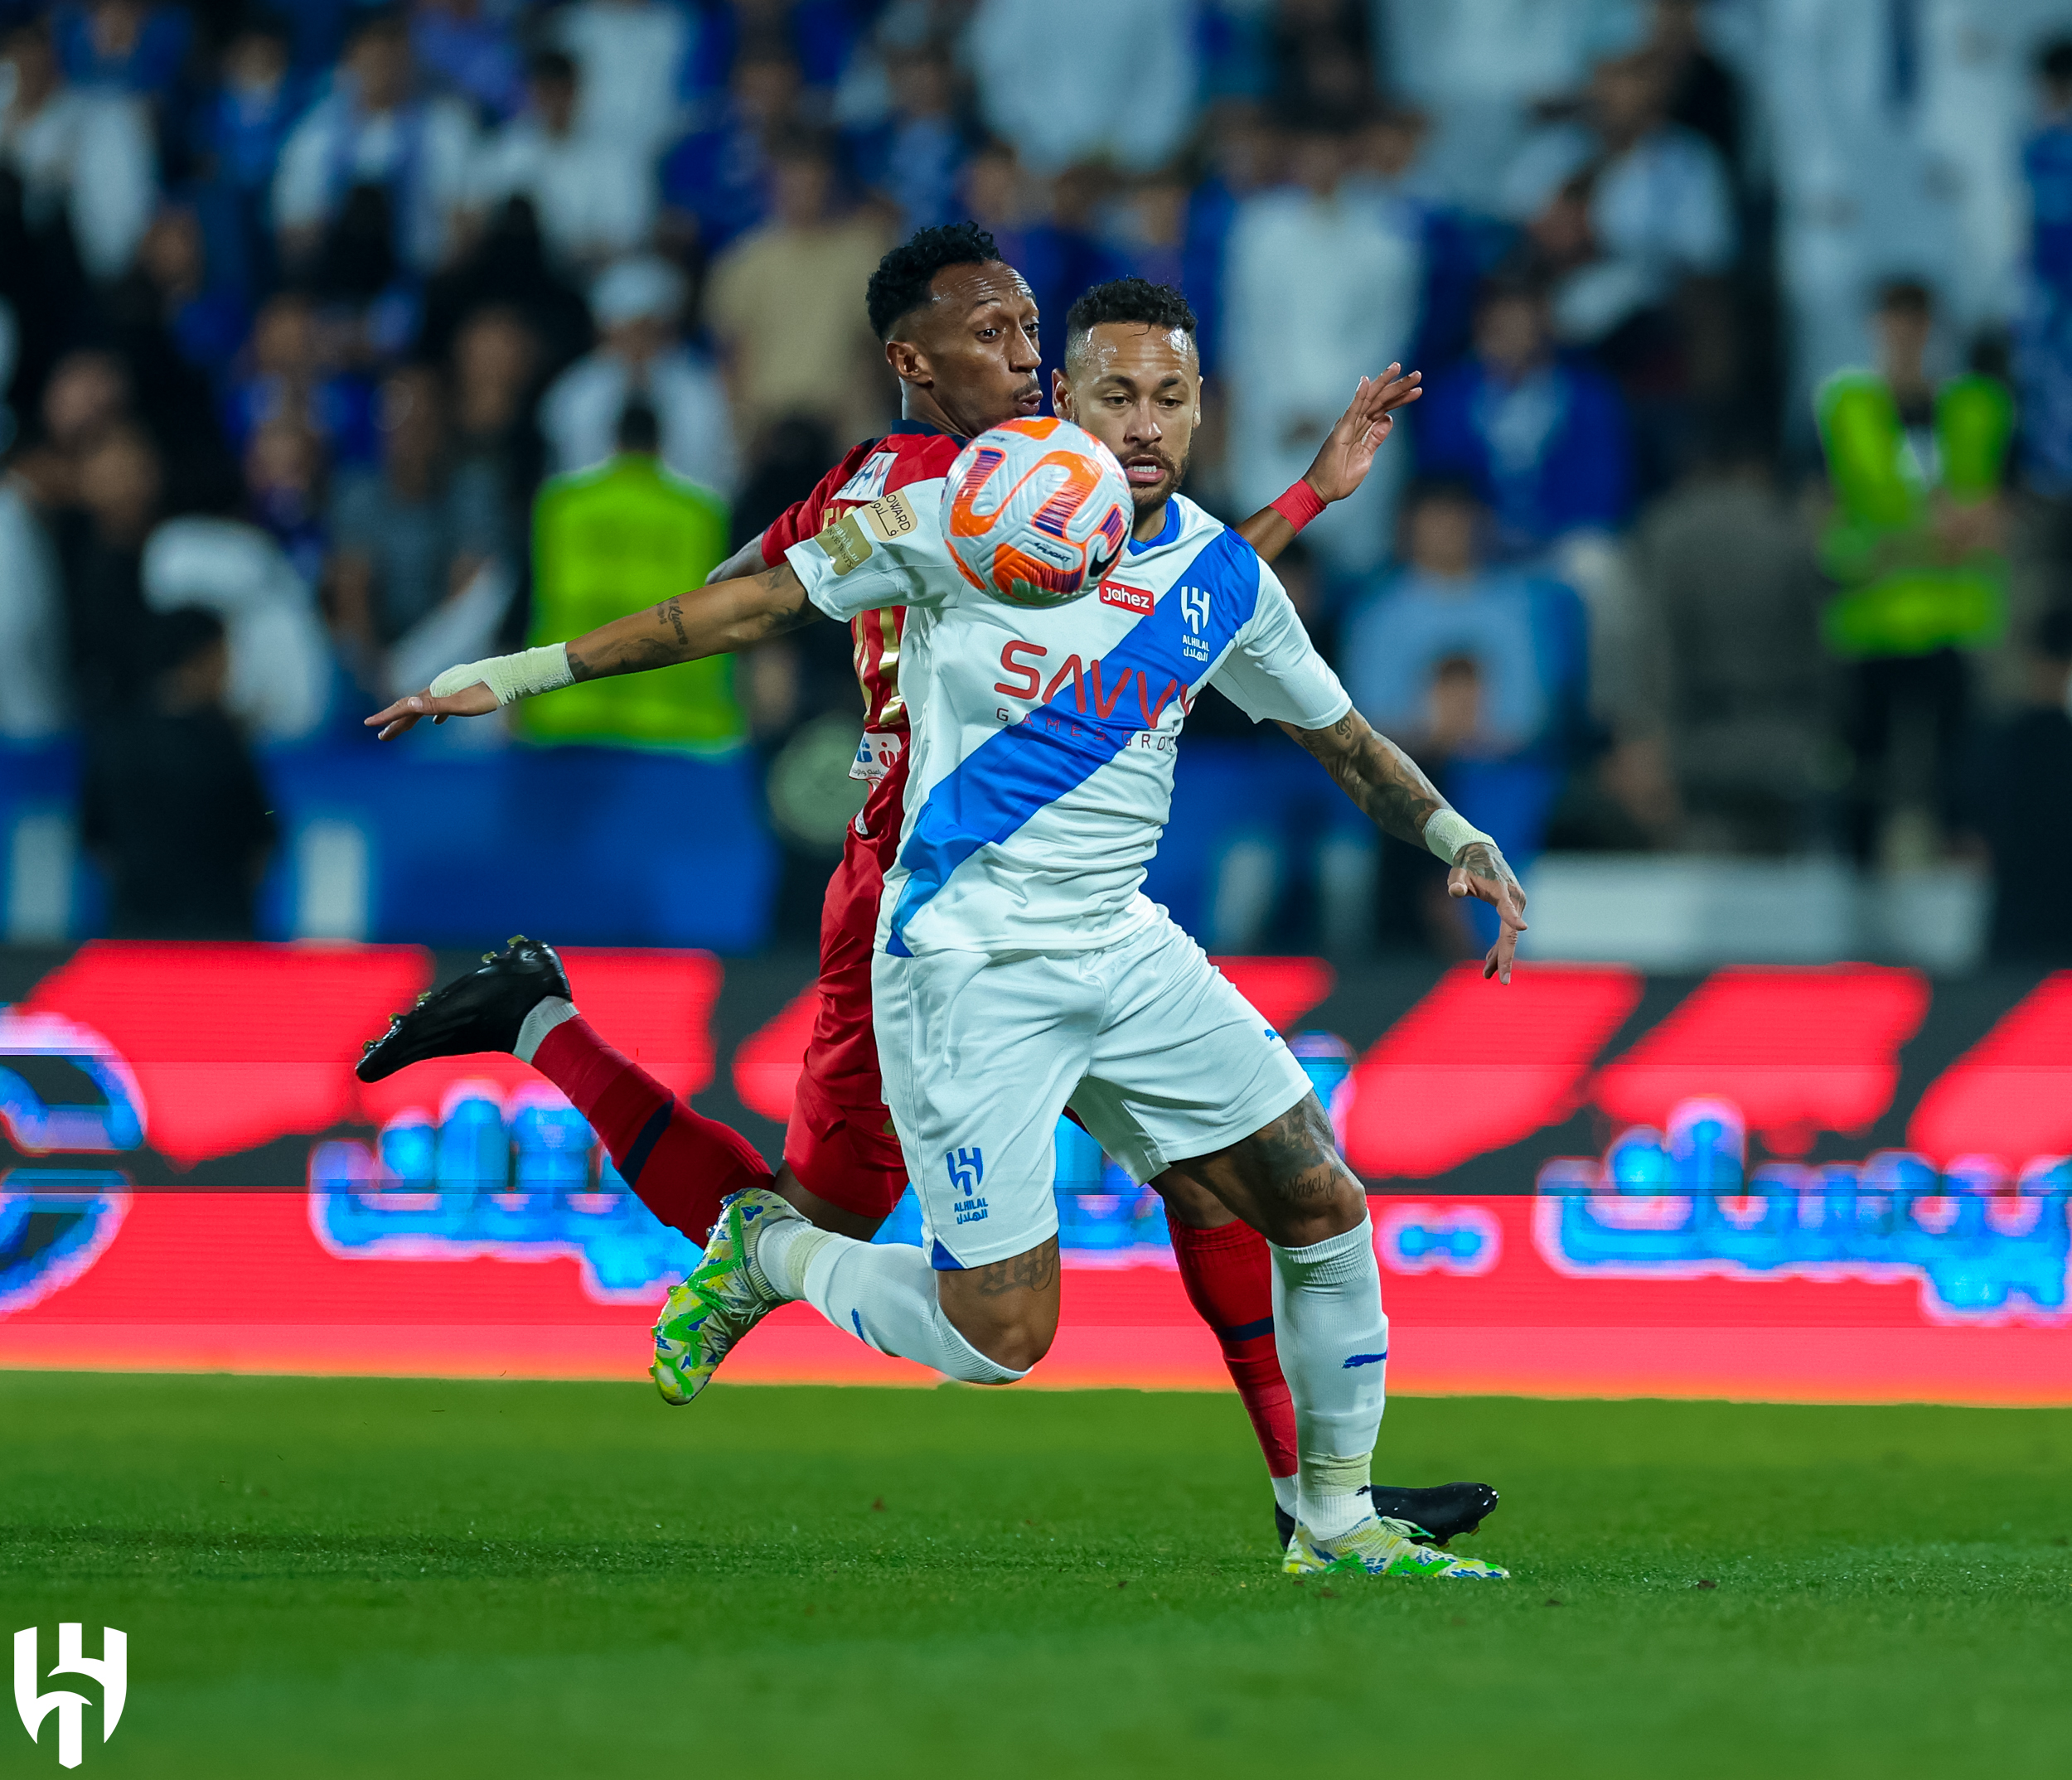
(1002, 1349)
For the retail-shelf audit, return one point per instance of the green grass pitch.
(343, 1577)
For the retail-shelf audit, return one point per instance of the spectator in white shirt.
(637, 305)
(1069, 80)
(631, 54)
(1321, 288)
(86, 156)
(374, 131)
(1633, 203)
(594, 197)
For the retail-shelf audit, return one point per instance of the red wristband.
(1300, 506)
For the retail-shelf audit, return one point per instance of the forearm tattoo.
(664, 636)
(1376, 774)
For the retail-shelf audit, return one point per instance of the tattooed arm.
(1387, 784)
(714, 619)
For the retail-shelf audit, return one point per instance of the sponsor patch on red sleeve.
(1129, 598)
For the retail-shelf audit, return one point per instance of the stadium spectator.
(914, 160)
(87, 394)
(1131, 101)
(205, 320)
(1624, 206)
(623, 534)
(1320, 290)
(34, 698)
(373, 135)
(1322, 64)
(235, 136)
(2044, 358)
(1704, 94)
(1914, 543)
(284, 493)
(1033, 223)
(83, 158)
(507, 264)
(717, 181)
(2022, 805)
(411, 535)
(1730, 603)
(496, 375)
(1541, 439)
(1244, 157)
(123, 45)
(173, 806)
(637, 305)
(100, 542)
(631, 55)
(469, 53)
(283, 375)
(594, 197)
(783, 305)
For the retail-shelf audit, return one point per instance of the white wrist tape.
(511, 677)
(1447, 831)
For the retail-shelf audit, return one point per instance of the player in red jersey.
(960, 330)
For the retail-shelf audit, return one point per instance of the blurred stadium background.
(1722, 575)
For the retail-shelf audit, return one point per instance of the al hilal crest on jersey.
(1044, 741)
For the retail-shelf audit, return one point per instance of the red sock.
(1229, 1279)
(679, 1163)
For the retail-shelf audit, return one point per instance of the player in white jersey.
(1019, 968)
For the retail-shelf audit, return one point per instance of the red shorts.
(840, 1142)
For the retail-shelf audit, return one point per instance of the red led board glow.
(767, 1066)
(1475, 1066)
(1799, 1052)
(2010, 1096)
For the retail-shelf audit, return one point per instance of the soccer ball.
(1035, 512)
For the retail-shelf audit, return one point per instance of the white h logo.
(111, 1670)
(1194, 607)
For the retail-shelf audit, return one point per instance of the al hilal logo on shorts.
(967, 1169)
(111, 1669)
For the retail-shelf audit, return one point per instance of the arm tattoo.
(1376, 774)
(1033, 1272)
(672, 609)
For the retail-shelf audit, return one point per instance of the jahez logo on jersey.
(1130, 599)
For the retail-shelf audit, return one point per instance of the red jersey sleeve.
(804, 518)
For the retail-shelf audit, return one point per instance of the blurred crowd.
(339, 342)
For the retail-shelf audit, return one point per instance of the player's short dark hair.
(1138, 300)
(1131, 300)
(901, 283)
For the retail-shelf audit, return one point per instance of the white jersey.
(1043, 740)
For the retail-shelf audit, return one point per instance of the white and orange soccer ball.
(1035, 512)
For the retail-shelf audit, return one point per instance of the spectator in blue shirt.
(1483, 670)
(1048, 244)
(1539, 438)
(125, 45)
(915, 159)
(718, 178)
(469, 55)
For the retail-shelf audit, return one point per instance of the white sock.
(1334, 1343)
(1286, 1497)
(883, 1293)
(548, 1011)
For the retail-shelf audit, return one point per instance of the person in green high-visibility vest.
(624, 534)
(1913, 543)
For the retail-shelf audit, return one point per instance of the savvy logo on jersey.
(111, 1669)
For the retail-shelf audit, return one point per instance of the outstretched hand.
(476, 700)
(1483, 872)
(1347, 455)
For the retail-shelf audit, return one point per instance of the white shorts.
(1160, 1057)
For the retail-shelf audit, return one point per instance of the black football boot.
(1433, 1516)
(481, 1011)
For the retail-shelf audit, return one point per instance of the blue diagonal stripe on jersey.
(1009, 776)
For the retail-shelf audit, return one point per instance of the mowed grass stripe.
(372, 1577)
